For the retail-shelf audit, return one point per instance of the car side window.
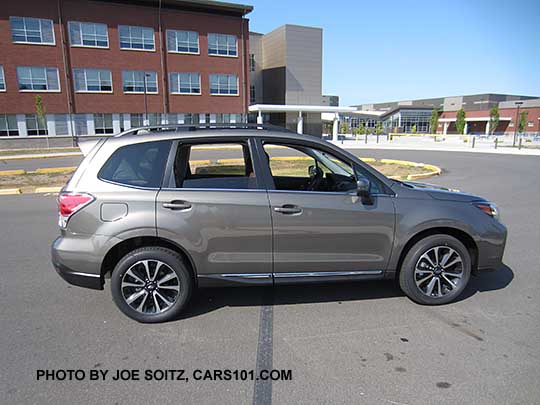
(214, 166)
(301, 168)
(140, 165)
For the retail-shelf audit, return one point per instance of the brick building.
(102, 66)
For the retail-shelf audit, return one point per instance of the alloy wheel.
(439, 271)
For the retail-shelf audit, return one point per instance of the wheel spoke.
(426, 256)
(436, 252)
(449, 274)
(419, 282)
(455, 261)
(158, 266)
(450, 283)
(169, 287)
(134, 296)
(140, 307)
(147, 269)
(439, 287)
(165, 300)
(166, 278)
(447, 257)
(156, 303)
(430, 286)
(128, 284)
(133, 275)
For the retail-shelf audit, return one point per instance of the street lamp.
(516, 124)
(145, 99)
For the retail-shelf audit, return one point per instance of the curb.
(434, 170)
(12, 172)
(10, 191)
(55, 170)
(39, 190)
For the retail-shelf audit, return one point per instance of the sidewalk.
(40, 156)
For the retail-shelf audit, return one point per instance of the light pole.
(145, 100)
(516, 124)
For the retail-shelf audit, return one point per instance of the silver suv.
(164, 210)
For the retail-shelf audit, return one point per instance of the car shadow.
(206, 300)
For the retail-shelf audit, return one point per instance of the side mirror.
(362, 190)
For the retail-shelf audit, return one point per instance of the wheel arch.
(122, 248)
(459, 234)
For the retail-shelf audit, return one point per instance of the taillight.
(69, 204)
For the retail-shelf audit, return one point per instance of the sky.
(385, 50)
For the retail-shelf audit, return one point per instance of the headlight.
(488, 208)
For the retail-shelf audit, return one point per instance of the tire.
(416, 276)
(151, 284)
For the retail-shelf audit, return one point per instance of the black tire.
(407, 277)
(174, 262)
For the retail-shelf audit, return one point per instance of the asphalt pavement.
(345, 343)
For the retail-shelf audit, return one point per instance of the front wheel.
(436, 270)
(151, 284)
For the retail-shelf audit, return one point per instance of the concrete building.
(402, 116)
(286, 69)
(103, 66)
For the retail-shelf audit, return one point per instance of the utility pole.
(516, 123)
(145, 101)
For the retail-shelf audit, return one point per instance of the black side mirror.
(362, 190)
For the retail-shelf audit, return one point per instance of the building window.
(61, 126)
(221, 44)
(185, 83)
(2, 79)
(92, 80)
(8, 125)
(134, 81)
(32, 30)
(140, 38)
(183, 41)
(252, 94)
(103, 124)
(191, 119)
(137, 120)
(511, 124)
(81, 124)
(88, 34)
(35, 125)
(530, 124)
(33, 78)
(224, 84)
(251, 62)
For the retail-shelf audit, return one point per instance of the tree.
(361, 128)
(413, 129)
(522, 121)
(379, 128)
(460, 121)
(41, 112)
(434, 121)
(493, 119)
(344, 128)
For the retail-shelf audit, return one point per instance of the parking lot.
(356, 342)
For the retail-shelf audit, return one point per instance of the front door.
(322, 229)
(214, 208)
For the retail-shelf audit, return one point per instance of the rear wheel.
(436, 270)
(151, 284)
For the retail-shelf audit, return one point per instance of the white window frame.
(144, 72)
(85, 70)
(175, 32)
(5, 120)
(81, 45)
(131, 48)
(35, 118)
(228, 83)
(227, 47)
(2, 79)
(174, 78)
(103, 129)
(46, 79)
(530, 124)
(41, 20)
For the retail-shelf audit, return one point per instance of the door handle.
(288, 209)
(177, 205)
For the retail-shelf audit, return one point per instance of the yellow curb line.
(12, 172)
(55, 170)
(368, 160)
(10, 191)
(199, 162)
(47, 190)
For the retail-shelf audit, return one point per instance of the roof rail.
(195, 127)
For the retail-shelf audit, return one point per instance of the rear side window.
(140, 165)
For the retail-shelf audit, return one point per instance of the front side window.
(32, 30)
(36, 125)
(301, 168)
(185, 83)
(224, 84)
(222, 45)
(139, 165)
(196, 166)
(34, 78)
(88, 34)
(8, 125)
(183, 41)
(140, 38)
(103, 123)
(92, 80)
(2, 79)
(138, 81)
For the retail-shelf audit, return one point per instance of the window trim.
(53, 43)
(176, 39)
(72, 45)
(86, 83)
(174, 93)
(224, 95)
(141, 92)
(134, 49)
(3, 75)
(218, 55)
(41, 91)
(104, 128)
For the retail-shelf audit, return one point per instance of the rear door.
(214, 206)
(322, 229)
